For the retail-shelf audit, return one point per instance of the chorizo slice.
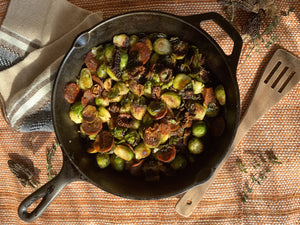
(209, 96)
(92, 128)
(142, 50)
(71, 92)
(104, 141)
(91, 62)
(166, 155)
(87, 98)
(89, 113)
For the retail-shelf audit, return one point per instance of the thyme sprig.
(49, 156)
(262, 167)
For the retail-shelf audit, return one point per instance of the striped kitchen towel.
(34, 37)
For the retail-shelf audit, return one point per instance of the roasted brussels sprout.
(104, 114)
(195, 145)
(119, 132)
(117, 162)
(132, 137)
(124, 60)
(138, 111)
(133, 39)
(103, 160)
(102, 101)
(197, 87)
(121, 41)
(76, 112)
(220, 94)
(199, 112)
(171, 99)
(162, 46)
(109, 52)
(180, 81)
(101, 71)
(124, 152)
(85, 80)
(180, 49)
(141, 151)
(123, 89)
(199, 129)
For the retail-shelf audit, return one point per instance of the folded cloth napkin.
(34, 37)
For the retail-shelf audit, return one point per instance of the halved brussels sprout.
(92, 128)
(121, 41)
(89, 113)
(104, 114)
(136, 125)
(103, 160)
(138, 111)
(85, 80)
(124, 152)
(132, 137)
(147, 120)
(180, 49)
(154, 58)
(199, 112)
(119, 132)
(168, 85)
(180, 81)
(102, 101)
(109, 51)
(117, 162)
(152, 137)
(220, 94)
(107, 84)
(116, 99)
(195, 146)
(212, 109)
(133, 39)
(104, 141)
(141, 151)
(162, 46)
(112, 73)
(157, 109)
(148, 89)
(172, 99)
(199, 129)
(197, 87)
(98, 52)
(124, 60)
(123, 89)
(76, 112)
(101, 71)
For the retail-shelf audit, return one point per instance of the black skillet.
(79, 165)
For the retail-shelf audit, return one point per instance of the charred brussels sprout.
(138, 111)
(109, 52)
(197, 87)
(199, 111)
(180, 49)
(162, 46)
(101, 71)
(103, 160)
(156, 108)
(102, 101)
(172, 99)
(133, 39)
(121, 41)
(195, 146)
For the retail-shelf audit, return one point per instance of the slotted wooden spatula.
(280, 75)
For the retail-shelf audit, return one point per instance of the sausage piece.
(72, 92)
(91, 62)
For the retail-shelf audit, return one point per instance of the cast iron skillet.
(79, 165)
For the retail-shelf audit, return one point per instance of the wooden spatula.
(280, 76)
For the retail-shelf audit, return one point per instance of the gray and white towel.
(34, 37)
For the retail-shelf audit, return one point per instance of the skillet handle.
(48, 192)
(227, 27)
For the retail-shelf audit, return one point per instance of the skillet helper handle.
(233, 58)
(48, 192)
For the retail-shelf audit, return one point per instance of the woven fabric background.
(275, 201)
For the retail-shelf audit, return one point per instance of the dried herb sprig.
(261, 167)
(49, 155)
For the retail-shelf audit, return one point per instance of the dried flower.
(23, 174)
